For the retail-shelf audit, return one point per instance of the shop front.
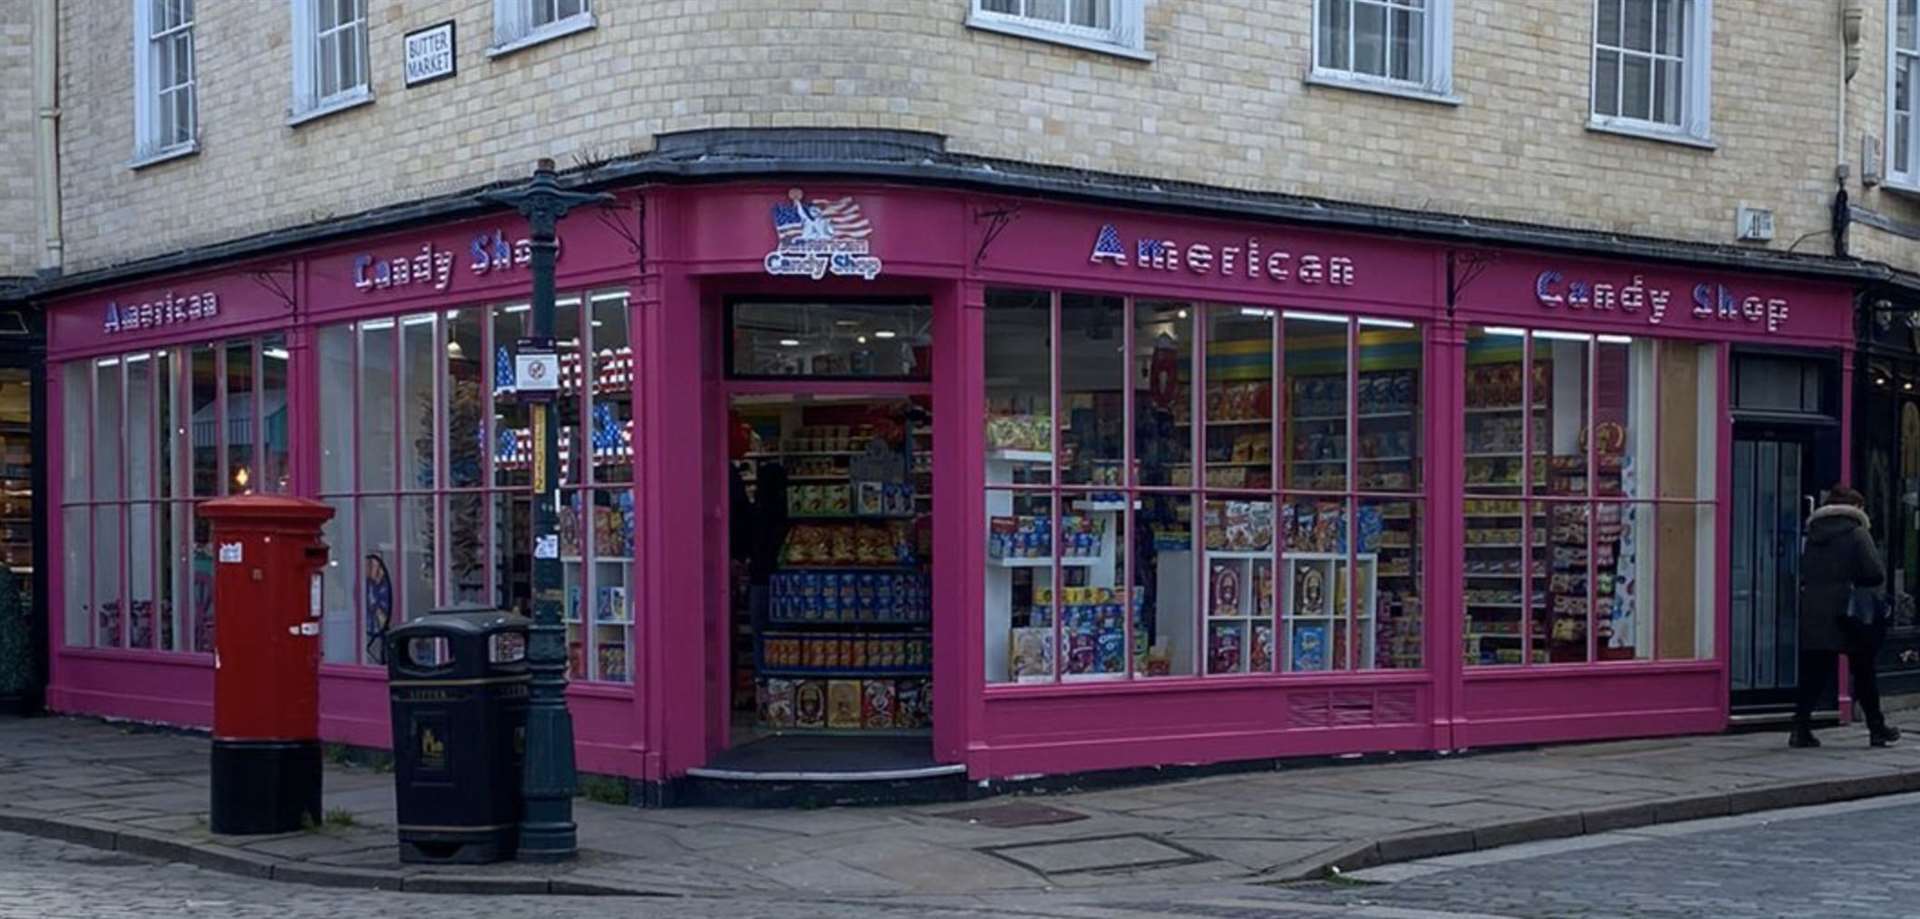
(924, 482)
(22, 512)
(1887, 453)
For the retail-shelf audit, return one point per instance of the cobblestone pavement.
(1851, 860)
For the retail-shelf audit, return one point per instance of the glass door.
(1773, 487)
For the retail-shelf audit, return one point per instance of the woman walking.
(1839, 559)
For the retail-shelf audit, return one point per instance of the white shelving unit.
(1101, 567)
(1309, 623)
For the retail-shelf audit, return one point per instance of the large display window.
(427, 462)
(1589, 463)
(1197, 489)
(148, 435)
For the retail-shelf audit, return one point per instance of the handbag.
(1867, 607)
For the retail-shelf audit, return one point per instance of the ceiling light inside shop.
(1182, 314)
(1314, 317)
(1387, 323)
(418, 320)
(1616, 339)
(518, 308)
(846, 323)
(278, 354)
(1563, 336)
(862, 339)
(1259, 313)
(1506, 330)
(885, 333)
(607, 298)
(789, 342)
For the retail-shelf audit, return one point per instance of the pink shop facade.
(1044, 487)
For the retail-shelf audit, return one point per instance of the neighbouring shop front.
(1886, 381)
(870, 477)
(23, 663)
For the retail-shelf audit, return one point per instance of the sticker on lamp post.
(536, 370)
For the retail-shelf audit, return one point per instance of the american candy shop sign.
(1248, 257)
(165, 310)
(434, 267)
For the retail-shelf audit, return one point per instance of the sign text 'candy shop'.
(433, 266)
(1707, 301)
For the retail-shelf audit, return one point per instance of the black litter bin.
(458, 681)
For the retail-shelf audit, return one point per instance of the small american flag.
(844, 216)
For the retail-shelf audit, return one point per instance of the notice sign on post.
(430, 54)
(536, 369)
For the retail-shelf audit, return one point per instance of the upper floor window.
(1651, 65)
(1389, 44)
(519, 23)
(1106, 25)
(1903, 56)
(329, 55)
(163, 78)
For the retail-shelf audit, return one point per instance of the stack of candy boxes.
(1032, 537)
(1092, 626)
(848, 596)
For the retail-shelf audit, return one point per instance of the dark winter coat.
(1839, 557)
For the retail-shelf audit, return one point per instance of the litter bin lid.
(463, 621)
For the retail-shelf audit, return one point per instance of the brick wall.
(1224, 103)
(19, 226)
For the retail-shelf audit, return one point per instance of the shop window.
(1207, 500)
(842, 339)
(164, 72)
(1650, 67)
(1395, 44)
(149, 435)
(329, 56)
(1583, 454)
(435, 487)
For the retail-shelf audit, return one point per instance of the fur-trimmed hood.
(1833, 521)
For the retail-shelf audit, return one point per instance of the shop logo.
(163, 311)
(820, 237)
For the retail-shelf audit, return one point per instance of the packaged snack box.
(809, 704)
(877, 704)
(908, 702)
(843, 704)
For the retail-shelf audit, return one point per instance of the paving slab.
(102, 786)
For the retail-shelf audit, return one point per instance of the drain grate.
(1015, 815)
(1122, 852)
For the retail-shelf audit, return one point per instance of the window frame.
(1647, 493)
(1899, 179)
(307, 102)
(514, 29)
(1695, 126)
(1060, 495)
(391, 503)
(1125, 35)
(148, 146)
(1434, 85)
(170, 502)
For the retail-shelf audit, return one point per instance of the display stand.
(1097, 569)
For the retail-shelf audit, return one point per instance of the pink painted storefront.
(1172, 489)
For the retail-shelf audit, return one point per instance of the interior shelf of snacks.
(845, 642)
(16, 497)
(597, 526)
(1519, 560)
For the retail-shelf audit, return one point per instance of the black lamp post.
(549, 780)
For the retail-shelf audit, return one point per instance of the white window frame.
(1124, 36)
(513, 26)
(1907, 179)
(1696, 92)
(1434, 85)
(308, 104)
(148, 146)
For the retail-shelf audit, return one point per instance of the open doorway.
(830, 539)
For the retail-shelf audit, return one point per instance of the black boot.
(1885, 735)
(1802, 737)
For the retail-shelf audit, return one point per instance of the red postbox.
(268, 557)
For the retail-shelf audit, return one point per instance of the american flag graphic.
(842, 218)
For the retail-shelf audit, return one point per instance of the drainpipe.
(46, 131)
(1853, 14)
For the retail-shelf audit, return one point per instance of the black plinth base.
(265, 786)
(450, 846)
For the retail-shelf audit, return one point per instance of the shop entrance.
(829, 416)
(1773, 491)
